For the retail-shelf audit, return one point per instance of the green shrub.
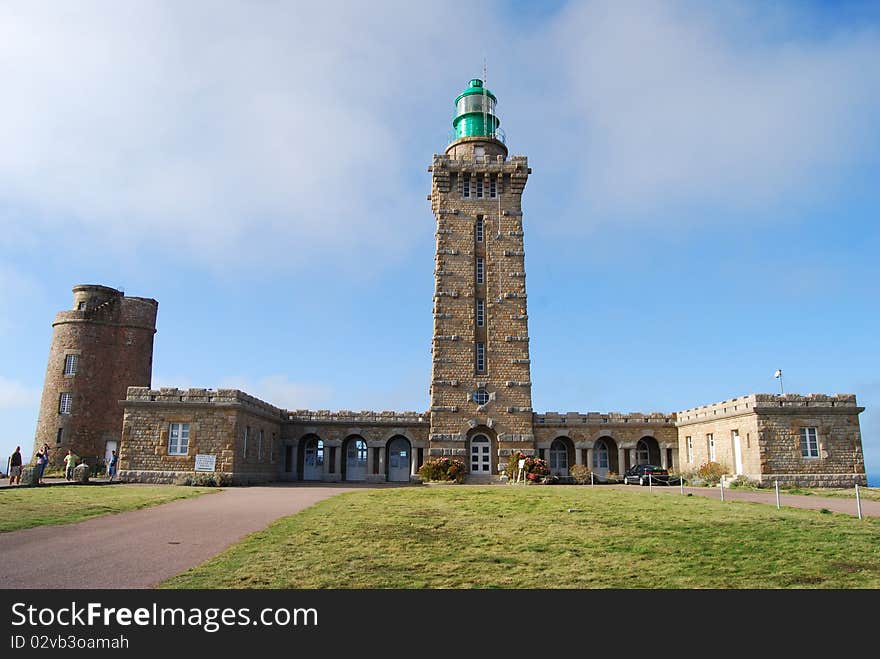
(443, 469)
(711, 472)
(580, 474)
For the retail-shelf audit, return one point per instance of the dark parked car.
(639, 474)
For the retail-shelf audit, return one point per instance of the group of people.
(41, 459)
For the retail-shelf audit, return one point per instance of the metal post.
(591, 480)
(721, 483)
(650, 486)
(777, 496)
(858, 501)
(681, 484)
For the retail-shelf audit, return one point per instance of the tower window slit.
(493, 187)
(481, 357)
(466, 186)
(479, 187)
(481, 312)
(481, 270)
(479, 229)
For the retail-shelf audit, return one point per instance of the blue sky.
(702, 210)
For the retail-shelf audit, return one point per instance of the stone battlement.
(175, 396)
(574, 418)
(362, 417)
(746, 404)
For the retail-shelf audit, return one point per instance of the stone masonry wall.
(217, 420)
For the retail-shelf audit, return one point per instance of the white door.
(398, 460)
(558, 459)
(737, 452)
(480, 459)
(313, 460)
(108, 450)
(356, 460)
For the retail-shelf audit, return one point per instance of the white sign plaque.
(205, 462)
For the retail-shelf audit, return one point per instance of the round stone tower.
(99, 348)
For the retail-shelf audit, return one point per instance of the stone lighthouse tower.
(481, 401)
(99, 348)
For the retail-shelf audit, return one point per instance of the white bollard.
(592, 484)
(650, 486)
(777, 496)
(721, 483)
(681, 484)
(858, 501)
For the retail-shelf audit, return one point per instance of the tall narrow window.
(481, 312)
(59, 436)
(480, 270)
(65, 402)
(493, 187)
(178, 439)
(809, 443)
(690, 449)
(710, 438)
(466, 186)
(247, 432)
(260, 446)
(481, 357)
(479, 229)
(70, 362)
(479, 187)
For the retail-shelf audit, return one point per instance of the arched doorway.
(312, 458)
(399, 456)
(647, 451)
(605, 457)
(356, 459)
(481, 454)
(558, 457)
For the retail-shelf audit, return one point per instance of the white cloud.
(679, 107)
(218, 129)
(15, 395)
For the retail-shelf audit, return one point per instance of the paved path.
(141, 548)
(814, 502)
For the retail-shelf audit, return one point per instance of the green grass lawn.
(22, 508)
(524, 537)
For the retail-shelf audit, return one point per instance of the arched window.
(600, 455)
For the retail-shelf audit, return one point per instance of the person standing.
(15, 467)
(111, 466)
(42, 461)
(69, 463)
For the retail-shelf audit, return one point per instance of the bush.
(711, 472)
(534, 470)
(203, 480)
(443, 469)
(580, 474)
(743, 481)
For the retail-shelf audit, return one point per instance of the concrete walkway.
(814, 502)
(141, 548)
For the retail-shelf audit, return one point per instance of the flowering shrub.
(711, 472)
(580, 474)
(443, 469)
(534, 469)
